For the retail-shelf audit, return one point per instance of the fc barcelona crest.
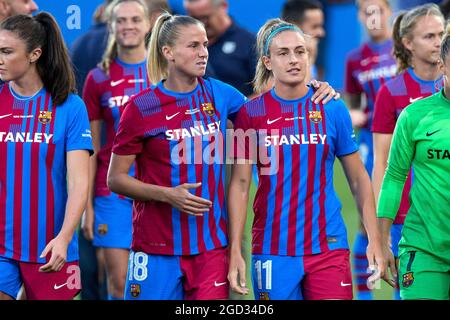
(102, 229)
(208, 108)
(264, 296)
(45, 117)
(135, 290)
(315, 116)
(408, 279)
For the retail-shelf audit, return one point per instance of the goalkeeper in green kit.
(422, 140)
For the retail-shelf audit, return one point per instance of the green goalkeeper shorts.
(423, 276)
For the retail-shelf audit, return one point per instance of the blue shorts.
(396, 235)
(10, 279)
(162, 277)
(314, 277)
(365, 142)
(113, 221)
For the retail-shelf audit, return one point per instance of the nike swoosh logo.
(116, 83)
(411, 100)
(272, 121)
(172, 116)
(59, 287)
(345, 284)
(431, 133)
(6, 115)
(218, 284)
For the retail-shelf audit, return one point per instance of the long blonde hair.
(164, 33)
(111, 48)
(264, 37)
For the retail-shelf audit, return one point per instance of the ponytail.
(264, 37)
(54, 65)
(156, 63)
(401, 54)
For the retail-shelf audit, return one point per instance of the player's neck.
(131, 55)
(28, 85)
(180, 83)
(426, 71)
(286, 92)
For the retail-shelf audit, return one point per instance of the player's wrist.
(164, 194)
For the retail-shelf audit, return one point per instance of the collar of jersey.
(380, 45)
(130, 65)
(415, 77)
(308, 94)
(176, 94)
(19, 97)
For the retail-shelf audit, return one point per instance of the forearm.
(75, 206)
(126, 185)
(366, 206)
(391, 194)
(237, 215)
(385, 229)
(379, 168)
(92, 175)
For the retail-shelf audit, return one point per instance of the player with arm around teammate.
(300, 248)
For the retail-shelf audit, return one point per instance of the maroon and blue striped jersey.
(34, 139)
(392, 98)
(105, 97)
(179, 138)
(367, 68)
(297, 211)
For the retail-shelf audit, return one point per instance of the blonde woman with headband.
(121, 74)
(300, 248)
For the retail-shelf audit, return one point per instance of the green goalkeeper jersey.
(422, 140)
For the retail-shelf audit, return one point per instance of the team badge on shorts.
(315, 116)
(264, 296)
(45, 117)
(135, 290)
(408, 279)
(102, 229)
(208, 108)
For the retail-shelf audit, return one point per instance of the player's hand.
(180, 198)
(236, 271)
(87, 223)
(392, 264)
(379, 262)
(58, 248)
(359, 118)
(323, 92)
